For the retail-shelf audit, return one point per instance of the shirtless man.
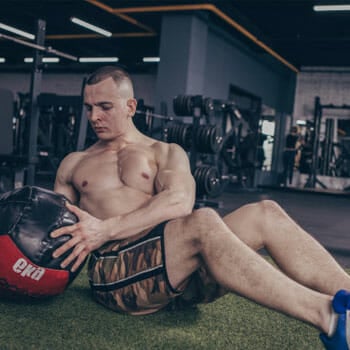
(130, 191)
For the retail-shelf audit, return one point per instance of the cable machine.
(315, 165)
(30, 159)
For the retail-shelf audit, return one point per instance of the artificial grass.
(74, 321)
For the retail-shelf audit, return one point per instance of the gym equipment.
(180, 134)
(208, 181)
(327, 148)
(27, 217)
(11, 164)
(315, 170)
(47, 49)
(6, 139)
(142, 119)
(229, 151)
(208, 139)
(186, 104)
(340, 158)
(32, 123)
(213, 150)
(313, 179)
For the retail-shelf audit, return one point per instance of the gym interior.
(226, 80)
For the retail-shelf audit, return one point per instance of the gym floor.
(325, 216)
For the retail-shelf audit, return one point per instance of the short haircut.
(118, 74)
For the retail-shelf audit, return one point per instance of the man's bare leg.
(300, 256)
(204, 237)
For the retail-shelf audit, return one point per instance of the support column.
(183, 47)
(35, 88)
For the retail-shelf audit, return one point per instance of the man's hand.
(87, 234)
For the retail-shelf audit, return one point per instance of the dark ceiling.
(290, 28)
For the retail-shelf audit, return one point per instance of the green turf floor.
(74, 321)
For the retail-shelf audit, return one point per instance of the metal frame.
(35, 87)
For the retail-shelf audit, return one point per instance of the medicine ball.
(27, 217)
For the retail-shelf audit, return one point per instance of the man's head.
(109, 101)
(121, 78)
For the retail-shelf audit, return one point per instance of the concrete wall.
(199, 58)
(228, 62)
(331, 85)
(71, 84)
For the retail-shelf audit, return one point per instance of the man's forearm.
(164, 206)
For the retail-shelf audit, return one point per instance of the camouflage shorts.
(130, 276)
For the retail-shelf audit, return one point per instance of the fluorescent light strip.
(2, 60)
(17, 31)
(51, 59)
(151, 59)
(45, 59)
(301, 122)
(91, 26)
(98, 59)
(323, 8)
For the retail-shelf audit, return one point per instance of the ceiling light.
(151, 59)
(321, 8)
(2, 59)
(98, 59)
(44, 60)
(17, 31)
(301, 122)
(51, 59)
(91, 26)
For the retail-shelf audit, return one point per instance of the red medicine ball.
(27, 217)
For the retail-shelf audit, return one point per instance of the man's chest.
(108, 170)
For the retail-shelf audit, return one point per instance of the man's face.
(109, 109)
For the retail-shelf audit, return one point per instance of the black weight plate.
(213, 184)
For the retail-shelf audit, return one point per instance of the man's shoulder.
(73, 158)
(76, 155)
(164, 146)
(164, 152)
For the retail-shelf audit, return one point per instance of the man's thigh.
(246, 223)
(181, 252)
(183, 238)
(183, 241)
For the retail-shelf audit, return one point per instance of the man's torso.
(112, 182)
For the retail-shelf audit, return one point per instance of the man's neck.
(119, 142)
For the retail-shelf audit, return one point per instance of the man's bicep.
(67, 190)
(63, 184)
(175, 172)
(177, 158)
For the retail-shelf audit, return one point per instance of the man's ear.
(131, 104)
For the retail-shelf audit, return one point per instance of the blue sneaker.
(340, 339)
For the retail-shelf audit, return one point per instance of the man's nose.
(94, 115)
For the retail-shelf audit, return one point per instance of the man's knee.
(268, 212)
(258, 210)
(203, 222)
(204, 216)
(269, 207)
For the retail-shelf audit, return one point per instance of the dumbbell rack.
(197, 139)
